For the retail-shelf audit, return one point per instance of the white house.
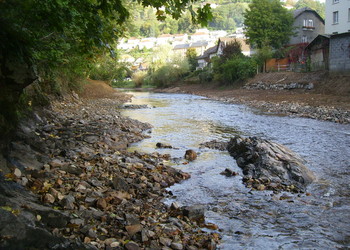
(205, 59)
(147, 43)
(217, 33)
(337, 16)
(200, 35)
(180, 39)
(164, 39)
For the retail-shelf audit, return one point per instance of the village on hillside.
(323, 43)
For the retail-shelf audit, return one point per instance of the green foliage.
(139, 78)
(49, 33)
(232, 49)
(107, 68)
(191, 56)
(262, 55)
(268, 23)
(205, 75)
(228, 16)
(234, 69)
(169, 73)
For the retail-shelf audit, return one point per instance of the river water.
(319, 219)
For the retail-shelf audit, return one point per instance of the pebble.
(17, 173)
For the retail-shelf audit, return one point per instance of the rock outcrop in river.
(269, 165)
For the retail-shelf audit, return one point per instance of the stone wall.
(339, 53)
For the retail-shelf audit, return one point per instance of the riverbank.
(68, 181)
(312, 95)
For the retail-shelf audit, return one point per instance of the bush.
(169, 73)
(139, 78)
(235, 69)
(205, 76)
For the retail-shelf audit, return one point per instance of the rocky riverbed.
(68, 181)
(263, 100)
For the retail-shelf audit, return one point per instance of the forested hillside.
(227, 15)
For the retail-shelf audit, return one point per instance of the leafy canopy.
(267, 23)
(50, 32)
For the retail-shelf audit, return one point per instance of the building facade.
(339, 53)
(337, 16)
(308, 25)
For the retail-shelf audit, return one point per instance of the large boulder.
(269, 161)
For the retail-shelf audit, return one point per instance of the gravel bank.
(68, 181)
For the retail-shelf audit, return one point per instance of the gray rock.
(68, 202)
(91, 138)
(163, 145)
(195, 212)
(176, 246)
(261, 158)
(72, 169)
(132, 246)
(120, 184)
(56, 163)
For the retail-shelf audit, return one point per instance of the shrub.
(235, 69)
(169, 73)
(139, 78)
(205, 76)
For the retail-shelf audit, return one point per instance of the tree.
(61, 38)
(267, 23)
(191, 56)
(232, 49)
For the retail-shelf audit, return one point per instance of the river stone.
(261, 158)
(163, 145)
(120, 184)
(195, 212)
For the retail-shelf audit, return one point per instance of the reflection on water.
(254, 220)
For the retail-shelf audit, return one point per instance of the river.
(318, 219)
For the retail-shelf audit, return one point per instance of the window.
(349, 15)
(308, 23)
(335, 17)
(304, 39)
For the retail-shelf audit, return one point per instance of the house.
(200, 35)
(200, 46)
(147, 43)
(180, 39)
(164, 38)
(308, 25)
(337, 16)
(180, 49)
(205, 59)
(131, 43)
(318, 51)
(216, 34)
